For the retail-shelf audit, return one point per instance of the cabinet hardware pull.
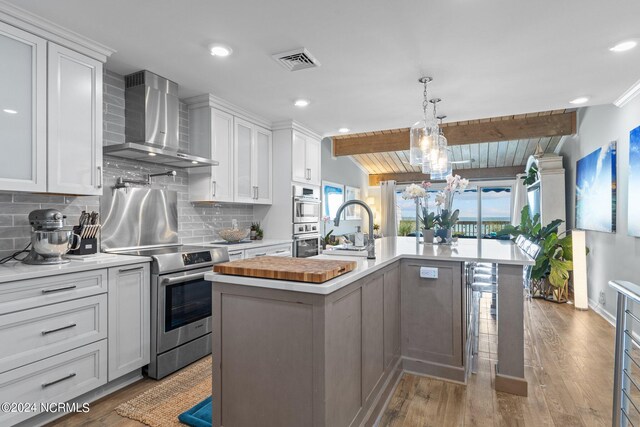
(71, 375)
(215, 187)
(262, 254)
(281, 251)
(257, 192)
(124, 270)
(100, 176)
(309, 174)
(62, 328)
(64, 288)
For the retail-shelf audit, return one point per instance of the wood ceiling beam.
(508, 172)
(463, 133)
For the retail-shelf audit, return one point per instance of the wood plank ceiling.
(481, 155)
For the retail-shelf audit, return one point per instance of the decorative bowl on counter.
(233, 234)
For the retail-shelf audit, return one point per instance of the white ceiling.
(488, 58)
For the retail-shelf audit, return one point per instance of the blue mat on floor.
(199, 415)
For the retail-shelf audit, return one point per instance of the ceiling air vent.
(297, 59)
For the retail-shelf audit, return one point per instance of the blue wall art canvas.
(633, 200)
(596, 190)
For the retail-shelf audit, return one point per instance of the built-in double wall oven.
(306, 205)
(306, 221)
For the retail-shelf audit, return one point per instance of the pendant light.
(440, 165)
(423, 133)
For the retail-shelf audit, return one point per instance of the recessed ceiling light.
(195, 162)
(152, 154)
(9, 111)
(580, 100)
(301, 103)
(220, 50)
(624, 46)
(343, 130)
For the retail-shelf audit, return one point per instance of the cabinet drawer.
(56, 379)
(275, 250)
(279, 250)
(42, 332)
(26, 294)
(233, 256)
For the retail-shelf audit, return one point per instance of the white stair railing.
(622, 382)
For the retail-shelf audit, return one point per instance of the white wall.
(342, 170)
(613, 256)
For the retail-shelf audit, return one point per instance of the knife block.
(87, 247)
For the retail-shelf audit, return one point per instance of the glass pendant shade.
(440, 165)
(422, 139)
(426, 165)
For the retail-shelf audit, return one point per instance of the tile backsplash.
(197, 223)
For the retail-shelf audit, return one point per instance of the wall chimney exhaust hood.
(151, 123)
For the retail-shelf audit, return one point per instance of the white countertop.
(389, 250)
(15, 270)
(249, 244)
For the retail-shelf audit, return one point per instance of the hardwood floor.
(569, 367)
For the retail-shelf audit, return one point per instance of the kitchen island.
(330, 354)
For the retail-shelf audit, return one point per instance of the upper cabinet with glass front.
(23, 113)
(50, 107)
(74, 125)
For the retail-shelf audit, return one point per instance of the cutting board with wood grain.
(294, 269)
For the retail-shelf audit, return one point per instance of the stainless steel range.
(143, 222)
(180, 305)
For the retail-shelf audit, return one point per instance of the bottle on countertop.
(359, 237)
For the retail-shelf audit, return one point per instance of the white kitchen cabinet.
(263, 161)
(74, 125)
(211, 136)
(305, 159)
(253, 151)
(129, 317)
(54, 380)
(236, 255)
(23, 110)
(283, 250)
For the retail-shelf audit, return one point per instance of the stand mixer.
(50, 239)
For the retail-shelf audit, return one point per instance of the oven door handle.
(305, 237)
(310, 201)
(181, 279)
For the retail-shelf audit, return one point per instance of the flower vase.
(429, 235)
(444, 236)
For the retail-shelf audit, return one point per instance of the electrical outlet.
(428, 273)
(601, 299)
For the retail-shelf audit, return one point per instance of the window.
(483, 206)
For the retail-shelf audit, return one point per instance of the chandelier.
(424, 133)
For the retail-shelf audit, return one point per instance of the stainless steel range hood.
(151, 123)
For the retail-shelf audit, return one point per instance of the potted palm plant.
(553, 265)
(531, 228)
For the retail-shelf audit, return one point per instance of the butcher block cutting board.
(294, 269)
